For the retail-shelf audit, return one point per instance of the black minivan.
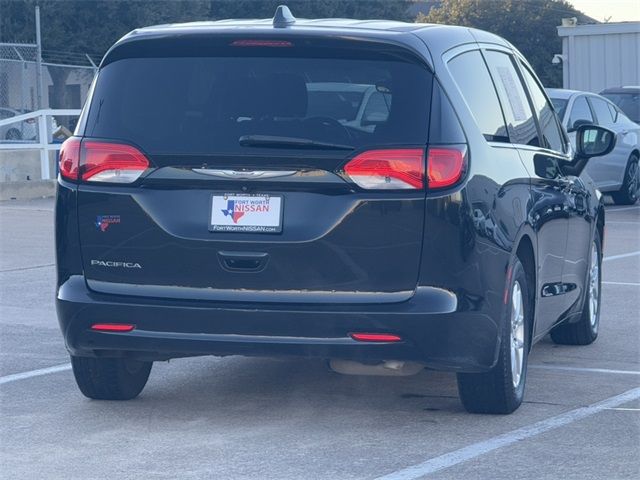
(384, 195)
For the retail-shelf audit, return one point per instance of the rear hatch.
(275, 170)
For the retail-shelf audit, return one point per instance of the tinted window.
(206, 104)
(520, 122)
(549, 124)
(444, 125)
(580, 112)
(560, 104)
(327, 100)
(614, 112)
(471, 75)
(628, 102)
(377, 109)
(601, 109)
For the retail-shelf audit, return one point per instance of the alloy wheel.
(634, 180)
(517, 334)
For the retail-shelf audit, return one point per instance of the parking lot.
(234, 417)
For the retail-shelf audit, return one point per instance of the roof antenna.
(283, 17)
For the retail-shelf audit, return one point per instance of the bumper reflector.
(375, 337)
(112, 327)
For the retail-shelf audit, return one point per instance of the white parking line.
(481, 448)
(34, 373)
(631, 284)
(621, 209)
(624, 255)
(584, 369)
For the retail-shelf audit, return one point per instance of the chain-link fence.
(63, 84)
(24, 87)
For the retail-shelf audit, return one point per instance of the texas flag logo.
(103, 221)
(232, 212)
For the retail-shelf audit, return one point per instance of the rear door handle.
(243, 261)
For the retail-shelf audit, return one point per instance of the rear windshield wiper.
(274, 141)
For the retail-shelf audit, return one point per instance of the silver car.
(24, 130)
(616, 174)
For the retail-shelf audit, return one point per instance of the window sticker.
(511, 88)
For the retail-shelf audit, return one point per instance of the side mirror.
(594, 141)
(591, 141)
(577, 124)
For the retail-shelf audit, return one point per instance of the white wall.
(600, 56)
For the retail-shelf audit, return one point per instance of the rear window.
(560, 104)
(205, 105)
(629, 103)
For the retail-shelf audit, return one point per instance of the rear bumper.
(434, 325)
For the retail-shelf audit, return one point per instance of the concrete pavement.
(254, 418)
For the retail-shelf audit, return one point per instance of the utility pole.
(38, 60)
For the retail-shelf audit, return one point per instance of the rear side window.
(549, 124)
(470, 74)
(520, 120)
(205, 105)
(628, 102)
(614, 112)
(580, 113)
(601, 108)
(445, 126)
(560, 104)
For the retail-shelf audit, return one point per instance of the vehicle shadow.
(255, 386)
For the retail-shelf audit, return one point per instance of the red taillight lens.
(445, 165)
(261, 43)
(401, 168)
(112, 327)
(111, 162)
(70, 158)
(375, 337)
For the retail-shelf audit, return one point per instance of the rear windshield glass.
(245, 105)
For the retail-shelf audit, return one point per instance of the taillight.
(390, 169)
(111, 162)
(445, 165)
(70, 158)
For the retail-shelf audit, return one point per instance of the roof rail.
(283, 17)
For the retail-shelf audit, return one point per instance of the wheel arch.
(526, 254)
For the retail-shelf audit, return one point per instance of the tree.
(530, 25)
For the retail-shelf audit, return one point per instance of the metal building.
(599, 56)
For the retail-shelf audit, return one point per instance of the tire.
(628, 194)
(501, 390)
(110, 378)
(585, 330)
(13, 134)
